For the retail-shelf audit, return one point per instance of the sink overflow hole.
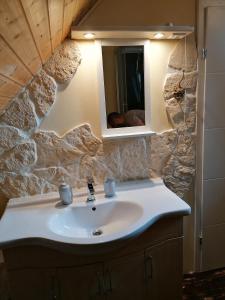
(97, 232)
(94, 208)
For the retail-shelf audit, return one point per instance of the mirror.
(123, 68)
(124, 87)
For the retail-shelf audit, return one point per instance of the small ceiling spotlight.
(89, 35)
(159, 35)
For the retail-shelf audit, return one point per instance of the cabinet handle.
(100, 284)
(53, 291)
(108, 282)
(148, 267)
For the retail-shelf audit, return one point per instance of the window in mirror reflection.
(124, 85)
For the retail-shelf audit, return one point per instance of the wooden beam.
(16, 32)
(36, 12)
(55, 11)
(8, 88)
(11, 66)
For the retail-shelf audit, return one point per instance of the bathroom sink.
(42, 219)
(88, 221)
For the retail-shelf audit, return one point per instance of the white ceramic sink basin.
(86, 221)
(136, 206)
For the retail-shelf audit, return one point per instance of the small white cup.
(110, 187)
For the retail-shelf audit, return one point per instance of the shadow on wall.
(34, 161)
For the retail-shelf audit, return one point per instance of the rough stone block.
(94, 167)
(82, 138)
(189, 108)
(20, 113)
(17, 185)
(175, 113)
(189, 83)
(162, 146)
(53, 150)
(134, 159)
(184, 59)
(42, 92)
(54, 175)
(9, 137)
(64, 62)
(20, 158)
(177, 177)
(112, 159)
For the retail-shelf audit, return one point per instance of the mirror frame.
(111, 133)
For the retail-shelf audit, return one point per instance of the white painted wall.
(78, 102)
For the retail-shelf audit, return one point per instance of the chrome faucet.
(91, 191)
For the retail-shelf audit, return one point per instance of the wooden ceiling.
(30, 30)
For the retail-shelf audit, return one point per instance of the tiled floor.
(204, 286)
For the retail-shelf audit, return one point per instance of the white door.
(213, 171)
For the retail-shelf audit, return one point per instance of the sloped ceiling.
(30, 30)
(141, 13)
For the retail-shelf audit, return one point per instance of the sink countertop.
(27, 218)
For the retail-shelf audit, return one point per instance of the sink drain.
(97, 232)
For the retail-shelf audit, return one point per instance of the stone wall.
(35, 161)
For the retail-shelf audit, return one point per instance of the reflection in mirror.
(123, 68)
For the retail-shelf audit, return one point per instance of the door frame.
(201, 34)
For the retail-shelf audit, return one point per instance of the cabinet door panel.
(81, 283)
(32, 284)
(164, 270)
(125, 278)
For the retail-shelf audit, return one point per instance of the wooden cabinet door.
(164, 270)
(81, 283)
(125, 278)
(35, 284)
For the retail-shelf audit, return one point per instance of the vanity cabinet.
(148, 267)
(83, 283)
(125, 277)
(163, 270)
(32, 284)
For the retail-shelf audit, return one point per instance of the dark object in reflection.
(134, 117)
(179, 95)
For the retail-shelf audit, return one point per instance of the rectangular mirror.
(124, 87)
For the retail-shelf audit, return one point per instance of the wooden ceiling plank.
(16, 32)
(70, 7)
(8, 88)
(55, 9)
(11, 79)
(36, 12)
(11, 66)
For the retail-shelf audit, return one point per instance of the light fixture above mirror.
(89, 35)
(131, 32)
